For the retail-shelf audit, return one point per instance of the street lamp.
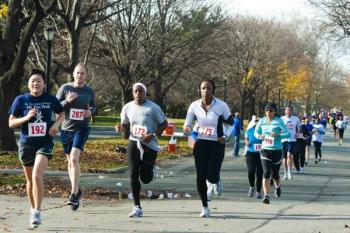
(317, 93)
(48, 34)
(225, 86)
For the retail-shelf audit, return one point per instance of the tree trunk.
(73, 52)
(8, 92)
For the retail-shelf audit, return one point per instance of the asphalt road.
(317, 201)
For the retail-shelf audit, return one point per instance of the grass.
(113, 120)
(99, 155)
(12, 179)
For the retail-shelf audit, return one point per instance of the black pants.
(139, 170)
(271, 163)
(341, 133)
(318, 153)
(254, 169)
(208, 157)
(299, 154)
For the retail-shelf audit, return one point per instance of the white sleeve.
(124, 119)
(190, 116)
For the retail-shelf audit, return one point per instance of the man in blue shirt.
(237, 127)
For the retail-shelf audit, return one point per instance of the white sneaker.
(289, 175)
(285, 176)
(218, 188)
(136, 212)
(302, 170)
(210, 188)
(35, 218)
(251, 191)
(205, 212)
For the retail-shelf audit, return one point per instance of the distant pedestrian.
(214, 122)
(293, 125)
(341, 126)
(142, 120)
(317, 138)
(236, 134)
(33, 112)
(255, 170)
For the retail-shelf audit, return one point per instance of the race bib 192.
(139, 131)
(76, 114)
(206, 131)
(37, 129)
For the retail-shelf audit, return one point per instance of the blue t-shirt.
(254, 143)
(237, 127)
(46, 106)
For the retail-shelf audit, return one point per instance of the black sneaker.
(316, 162)
(278, 192)
(74, 200)
(266, 199)
(271, 182)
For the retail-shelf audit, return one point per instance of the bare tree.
(14, 43)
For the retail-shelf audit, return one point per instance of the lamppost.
(317, 93)
(48, 34)
(225, 86)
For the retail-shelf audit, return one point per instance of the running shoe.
(302, 171)
(266, 199)
(218, 188)
(258, 195)
(74, 200)
(271, 182)
(316, 161)
(289, 175)
(35, 218)
(278, 192)
(205, 212)
(210, 188)
(251, 191)
(136, 212)
(285, 176)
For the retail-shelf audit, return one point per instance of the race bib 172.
(139, 131)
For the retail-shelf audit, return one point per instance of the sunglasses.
(268, 110)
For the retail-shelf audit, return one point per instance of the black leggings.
(139, 170)
(271, 163)
(341, 133)
(299, 155)
(208, 157)
(254, 169)
(318, 153)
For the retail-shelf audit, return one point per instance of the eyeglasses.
(268, 110)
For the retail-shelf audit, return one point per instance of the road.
(317, 201)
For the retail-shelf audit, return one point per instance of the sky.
(270, 9)
(280, 10)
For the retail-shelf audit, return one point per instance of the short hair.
(290, 106)
(36, 71)
(81, 64)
